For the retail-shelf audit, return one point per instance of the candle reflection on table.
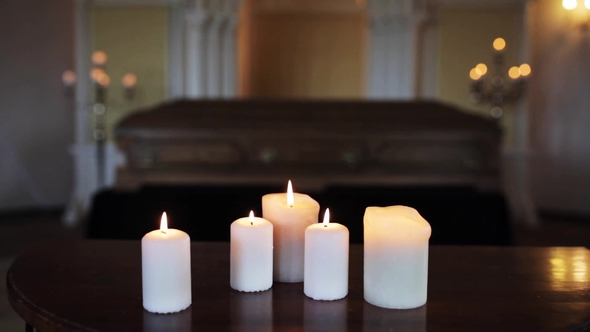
(325, 315)
(251, 311)
(178, 322)
(381, 319)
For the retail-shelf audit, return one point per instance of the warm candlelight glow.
(251, 217)
(327, 218)
(103, 80)
(571, 4)
(499, 44)
(587, 4)
(525, 69)
(164, 223)
(99, 58)
(95, 73)
(129, 80)
(474, 75)
(481, 68)
(68, 78)
(514, 72)
(290, 196)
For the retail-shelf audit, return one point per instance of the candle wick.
(325, 226)
(251, 223)
(163, 232)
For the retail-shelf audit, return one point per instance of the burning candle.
(326, 260)
(166, 269)
(251, 254)
(290, 215)
(396, 257)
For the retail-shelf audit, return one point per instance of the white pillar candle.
(166, 269)
(251, 254)
(326, 260)
(290, 215)
(395, 257)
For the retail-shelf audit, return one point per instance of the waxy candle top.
(164, 232)
(292, 200)
(327, 225)
(400, 222)
(252, 221)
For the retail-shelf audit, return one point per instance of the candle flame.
(290, 196)
(327, 218)
(251, 217)
(164, 223)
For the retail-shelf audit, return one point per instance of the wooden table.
(96, 286)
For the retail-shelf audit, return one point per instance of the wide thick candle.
(326, 260)
(290, 215)
(396, 257)
(251, 254)
(166, 269)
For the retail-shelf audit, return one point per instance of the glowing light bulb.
(473, 74)
(499, 44)
(481, 68)
(571, 4)
(525, 69)
(99, 58)
(103, 80)
(129, 80)
(68, 78)
(514, 72)
(95, 73)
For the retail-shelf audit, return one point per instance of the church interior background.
(73, 70)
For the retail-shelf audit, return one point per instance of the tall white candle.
(396, 257)
(251, 254)
(326, 260)
(290, 215)
(166, 269)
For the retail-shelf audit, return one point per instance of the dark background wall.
(36, 46)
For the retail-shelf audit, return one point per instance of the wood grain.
(96, 286)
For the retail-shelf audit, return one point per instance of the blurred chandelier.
(496, 90)
(100, 83)
(573, 4)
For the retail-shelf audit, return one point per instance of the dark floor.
(23, 230)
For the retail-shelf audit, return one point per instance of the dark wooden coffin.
(314, 143)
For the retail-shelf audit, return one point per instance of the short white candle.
(395, 257)
(290, 215)
(166, 269)
(251, 254)
(326, 260)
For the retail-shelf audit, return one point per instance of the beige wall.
(308, 55)
(135, 39)
(465, 39)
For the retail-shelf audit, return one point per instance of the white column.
(229, 60)
(428, 50)
(82, 59)
(517, 184)
(377, 55)
(394, 36)
(176, 51)
(214, 56)
(196, 24)
(82, 174)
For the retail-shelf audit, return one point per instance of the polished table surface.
(96, 286)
